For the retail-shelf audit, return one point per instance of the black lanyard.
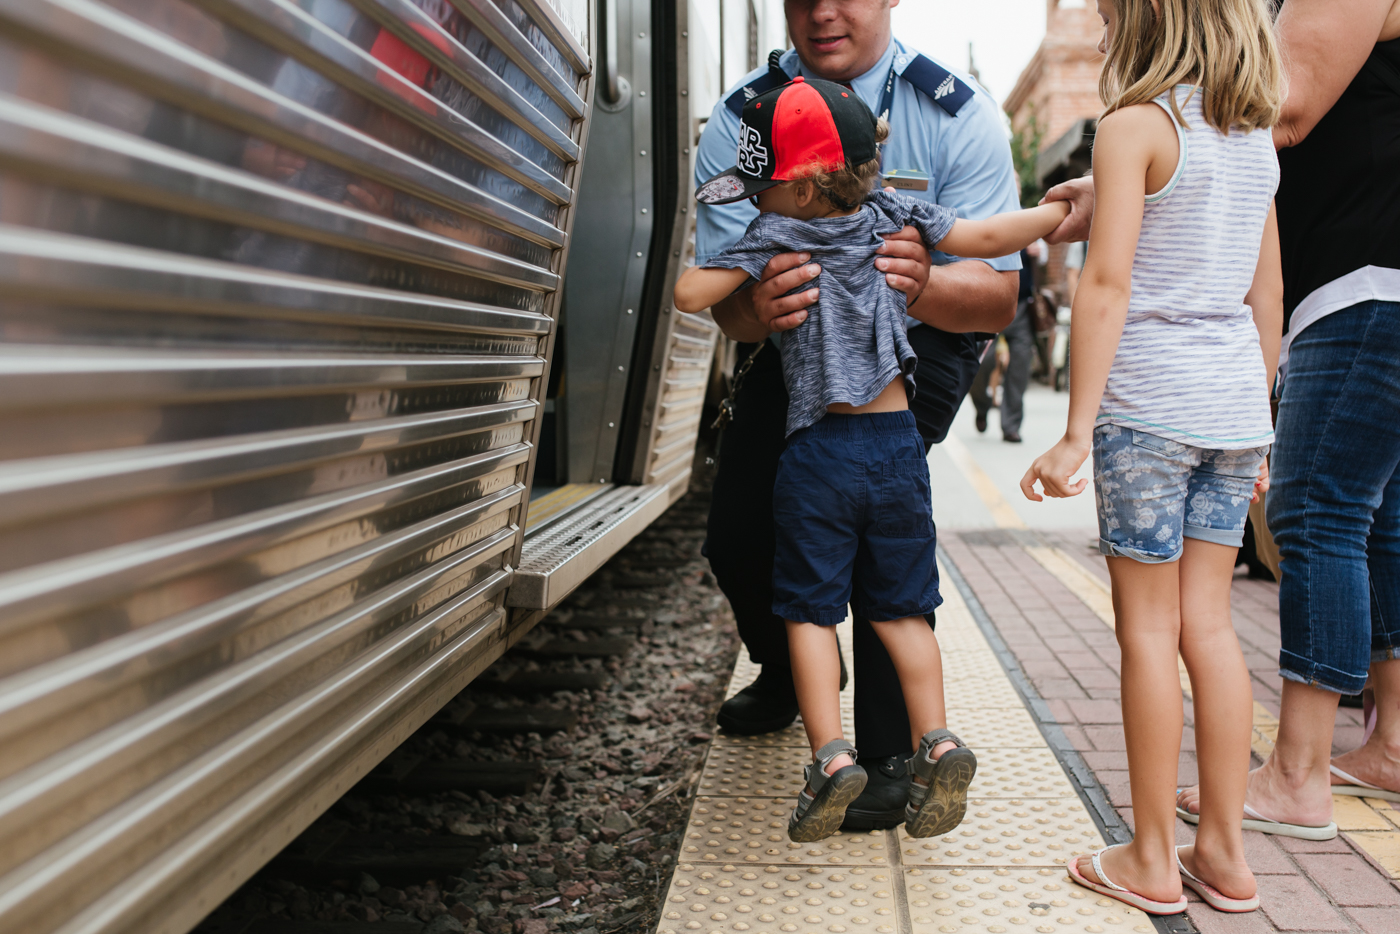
(886, 100)
(887, 96)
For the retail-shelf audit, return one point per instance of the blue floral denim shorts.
(1152, 493)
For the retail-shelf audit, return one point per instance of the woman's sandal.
(1253, 820)
(938, 805)
(1355, 787)
(820, 812)
(1115, 891)
(1209, 893)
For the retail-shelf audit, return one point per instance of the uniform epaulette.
(770, 79)
(938, 83)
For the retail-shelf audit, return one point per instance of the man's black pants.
(740, 539)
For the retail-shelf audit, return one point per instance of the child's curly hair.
(845, 189)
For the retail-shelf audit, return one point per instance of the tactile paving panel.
(776, 771)
(1010, 900)
(1001, 870)
(790, 736)
(1019, 773)
(979, 727)
(754, 830)
(788, 899)
(754, 770)
(988, 727)
(1008, 832)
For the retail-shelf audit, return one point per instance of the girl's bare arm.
(1003, 234)
(1265, 296)
(1125, 148)
(699, 288)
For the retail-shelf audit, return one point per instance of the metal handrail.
(612, 89)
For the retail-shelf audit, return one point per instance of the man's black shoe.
(769, 704)
(765, 706)
(1012, 436)
(881, 805)
(981, 422)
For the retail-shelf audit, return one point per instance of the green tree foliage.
(1025, 150)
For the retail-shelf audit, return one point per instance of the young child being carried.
(851, 503)
(1175, 340)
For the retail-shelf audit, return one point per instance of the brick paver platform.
(1071, 657)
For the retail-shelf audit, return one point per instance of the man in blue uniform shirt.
(947, 145)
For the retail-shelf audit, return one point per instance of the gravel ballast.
(593, 780)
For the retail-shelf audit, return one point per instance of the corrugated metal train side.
(278, 283)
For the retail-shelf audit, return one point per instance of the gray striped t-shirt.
(1188, 366)
(852, 344)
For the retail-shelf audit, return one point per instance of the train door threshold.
(1002, 871)
(561, 552)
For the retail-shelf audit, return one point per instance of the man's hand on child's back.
(905, 262)
(775, 309)
(764, 308)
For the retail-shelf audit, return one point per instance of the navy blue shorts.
(852, 506)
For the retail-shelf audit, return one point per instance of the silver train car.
(303, 420)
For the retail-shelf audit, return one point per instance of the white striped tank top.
(1188, 366)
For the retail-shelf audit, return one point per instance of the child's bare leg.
(816, 673)
(1146, 607)
(1223, 704)
(914, 650)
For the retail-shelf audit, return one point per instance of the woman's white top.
(1188, 366)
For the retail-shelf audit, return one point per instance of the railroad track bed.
(551, 795)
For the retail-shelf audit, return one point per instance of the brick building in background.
(1054, 105)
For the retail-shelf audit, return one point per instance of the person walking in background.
(1177, 322)
(1020, 341)
(1335, 507)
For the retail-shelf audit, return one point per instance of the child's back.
(1189, 366)
(853, 343)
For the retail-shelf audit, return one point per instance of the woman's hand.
(1261, 486)
(1054, 469)
(1079, 192)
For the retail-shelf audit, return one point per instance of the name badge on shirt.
(906, 179)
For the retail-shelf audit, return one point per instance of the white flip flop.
(1359, 789)
(1253, 820)
(1210, 894)
(1115, 891)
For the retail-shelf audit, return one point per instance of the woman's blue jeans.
(1334, 506)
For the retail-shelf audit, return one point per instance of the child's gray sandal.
(938, 804)
(820, 813)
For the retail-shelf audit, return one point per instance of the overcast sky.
(1004, 34)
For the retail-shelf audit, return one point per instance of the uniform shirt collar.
(869, 85)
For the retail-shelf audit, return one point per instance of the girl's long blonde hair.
(1227, 47)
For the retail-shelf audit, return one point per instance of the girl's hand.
(1054, 468)
(1261, 486)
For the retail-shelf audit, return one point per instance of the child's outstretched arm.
(698, 288)
(1124, 149)
(1003, 234)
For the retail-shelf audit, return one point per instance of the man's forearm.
(967, 296)
(735, 317)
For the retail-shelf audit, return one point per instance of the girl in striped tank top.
(1174, 342)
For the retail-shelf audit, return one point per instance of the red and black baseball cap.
(804, 126)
